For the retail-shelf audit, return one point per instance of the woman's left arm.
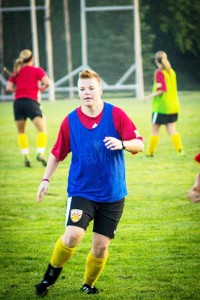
(46, 82)
(134, 146)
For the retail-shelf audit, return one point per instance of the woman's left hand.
(112, 143)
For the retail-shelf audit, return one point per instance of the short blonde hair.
(89, 74)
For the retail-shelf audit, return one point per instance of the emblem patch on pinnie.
(76, 215)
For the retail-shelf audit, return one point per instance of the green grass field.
(156, 252)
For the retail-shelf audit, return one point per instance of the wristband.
(45, 179)
(123, 147)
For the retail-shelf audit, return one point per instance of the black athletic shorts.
(26, 108)
(163, 119)
(106, 216)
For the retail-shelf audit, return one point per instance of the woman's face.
(89, 91)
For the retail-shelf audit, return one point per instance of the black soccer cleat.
(88, 289)
(27, 163)
(42, 288)
(50, 277)
(149, 155)
(41, 159)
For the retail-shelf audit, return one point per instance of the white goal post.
(136, 67)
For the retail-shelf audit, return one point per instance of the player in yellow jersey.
(165, 104)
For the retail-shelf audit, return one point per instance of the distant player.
(165, 104)
(24, 82)
(97, 133)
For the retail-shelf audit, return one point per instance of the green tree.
(179, 20)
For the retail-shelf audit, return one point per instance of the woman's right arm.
(10, 87)
(52, 165)
(152, 95)
(160, 85)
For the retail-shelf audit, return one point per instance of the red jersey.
(123, 124)
(27, 82)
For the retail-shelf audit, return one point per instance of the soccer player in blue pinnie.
(97, 133)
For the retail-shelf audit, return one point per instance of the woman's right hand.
(147, 98)
(42, 190)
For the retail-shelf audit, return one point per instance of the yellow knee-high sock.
(61, 254)
(176, 141)
(41, 142)
(94, 267)
(23, 143)
(153, 142)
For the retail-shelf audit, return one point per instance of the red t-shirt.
(123, 124)
(27, 82)
(160, 78)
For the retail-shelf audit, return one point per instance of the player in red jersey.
(24, 83)
(96, 133)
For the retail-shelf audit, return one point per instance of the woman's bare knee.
(72, 236)
(100, 245)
